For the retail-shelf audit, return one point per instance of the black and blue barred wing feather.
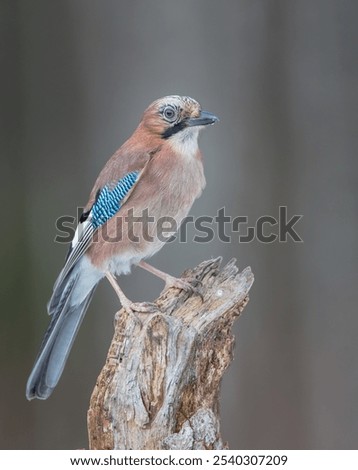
(108, 202)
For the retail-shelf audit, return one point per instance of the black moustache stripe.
(174, 129)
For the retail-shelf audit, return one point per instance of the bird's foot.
(142, 307)
(191, 285)
(135, 308)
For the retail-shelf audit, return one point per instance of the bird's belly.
(123, 262)
(144, 241)
(145, 223)
(140, 239)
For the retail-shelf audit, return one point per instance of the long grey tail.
(68, 310)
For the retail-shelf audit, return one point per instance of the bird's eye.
(169, 113)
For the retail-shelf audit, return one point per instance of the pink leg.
(128, 305)
(170, 281)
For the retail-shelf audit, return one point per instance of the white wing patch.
(81, 228)
(79, 245)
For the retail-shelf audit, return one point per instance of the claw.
(189, 285)
(133, 308)
(142, 307)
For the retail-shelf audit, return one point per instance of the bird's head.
(176, 118)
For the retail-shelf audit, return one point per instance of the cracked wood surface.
(159, 387)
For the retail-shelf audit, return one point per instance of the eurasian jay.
(158, 171)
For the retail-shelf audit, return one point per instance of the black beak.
(204, 119)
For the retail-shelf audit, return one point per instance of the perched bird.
(157, 173)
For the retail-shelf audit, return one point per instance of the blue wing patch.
(109, 201)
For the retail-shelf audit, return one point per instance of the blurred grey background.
(282, 76)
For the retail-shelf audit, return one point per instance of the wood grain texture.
(159, 387)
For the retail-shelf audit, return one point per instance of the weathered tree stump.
(159, 387)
